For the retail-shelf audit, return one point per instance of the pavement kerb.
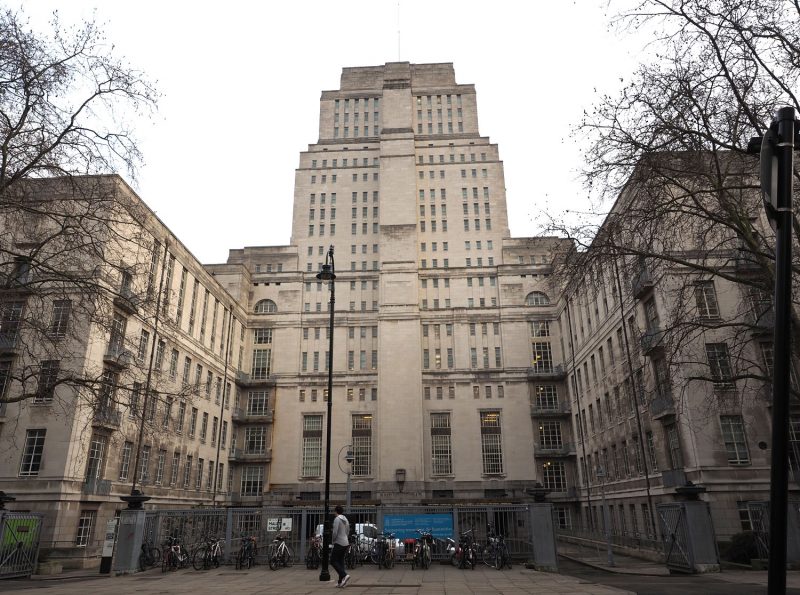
(613, 570)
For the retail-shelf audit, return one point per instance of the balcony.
(672, 478)
(245, 379)
(96, 487)
(555, 410)
(543, 372)
(662, 405)
(243, 416)
(241, 456)
(642, 283)
(127, 301)
(652, 341)
(118, 357)
(106, 417)
(565, 449)
(8, 343)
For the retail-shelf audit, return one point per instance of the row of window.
(462, 157)
(365, 162)
(323, 178)
(331, 230)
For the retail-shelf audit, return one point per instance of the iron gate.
(759, 520)
(19, 543)
(675, 534)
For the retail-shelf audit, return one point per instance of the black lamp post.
(328, 274)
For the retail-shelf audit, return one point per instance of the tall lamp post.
(328, 274)
(348, 458)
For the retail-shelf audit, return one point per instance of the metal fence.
(298, 525)
(19, 543)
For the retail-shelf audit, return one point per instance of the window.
(261, 363)
(125, 461)
(719, 362)
(265, 307)
(48, 376)
(255, 440)
(550, 434)
(144, 464)
(537, 298)
(491, 443)
(258, 403)
(32, 453)
(312, 446)
(540, 328)
(706, 299)
(441, 451)
(83, 536)
(734, 438)
(674, 446)
(252, 480)
(554, 476)
(95, 458)
(60, 319)
(362, 444)
(542, 360)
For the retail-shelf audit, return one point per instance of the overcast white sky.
(222, 66)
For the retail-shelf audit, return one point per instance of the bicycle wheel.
(165, 562)
(155, 556)
(199, 558)
(287, 557)
(273, 562)
(390, 559)
(498, 560)
(143, 561)
(426, 557)
(487, 556)
(240, 559)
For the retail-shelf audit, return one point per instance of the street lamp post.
(348, 458)
(601, 473)
(328, 274)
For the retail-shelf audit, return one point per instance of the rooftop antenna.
(398, 30)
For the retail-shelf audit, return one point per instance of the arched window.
(265, 307)
(537, 298)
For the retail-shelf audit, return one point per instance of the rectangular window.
(719, 362)
(95, 458)
(706, 299)
(554, 476)
(735, 440)
(255, 440)
(491, 442)
(60, 320)
(125, 461)
(542, 360)
(441, 449)
(83, 536)
(252, 480)
(48, 376)
(32, 453)
(312, 446)
(362, 443)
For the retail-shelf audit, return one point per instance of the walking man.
(341, 529)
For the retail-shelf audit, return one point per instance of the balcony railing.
(107, 417)
(662, 405)
(565, 449)
(97, 487)
(245, 379)
(126, 300)
(239, 454)
(547, 372)
(671, 478)
(244, 416)
(118, 356)
(547, 410)
(652, 341)
(642, 283)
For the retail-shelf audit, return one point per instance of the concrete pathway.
(438, 580)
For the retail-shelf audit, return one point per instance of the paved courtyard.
(297, 580)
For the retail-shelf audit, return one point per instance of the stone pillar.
(702, 539)
(793, 534)
(129, 541)
(542, 531)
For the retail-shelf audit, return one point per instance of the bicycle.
(150, 556)
(174, 556)
(466, 553)
(208, 554)
(280, 554)
(383, 551)
(422, 550)
(314, 555)
(352, 555)
(246, 557)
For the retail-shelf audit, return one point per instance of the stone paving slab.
(366, 580)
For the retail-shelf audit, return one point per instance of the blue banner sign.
(404, 526)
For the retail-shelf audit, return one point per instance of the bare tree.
(675, 193)
(71, 241)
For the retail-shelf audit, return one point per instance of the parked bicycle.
(353, 556)
(173, 556)
(246, 557)
(466, 554)
(279, 554)
(208, 555)
(383, 551)
(495, 553)
(150, 556)
(422, 550)
(314, 554)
